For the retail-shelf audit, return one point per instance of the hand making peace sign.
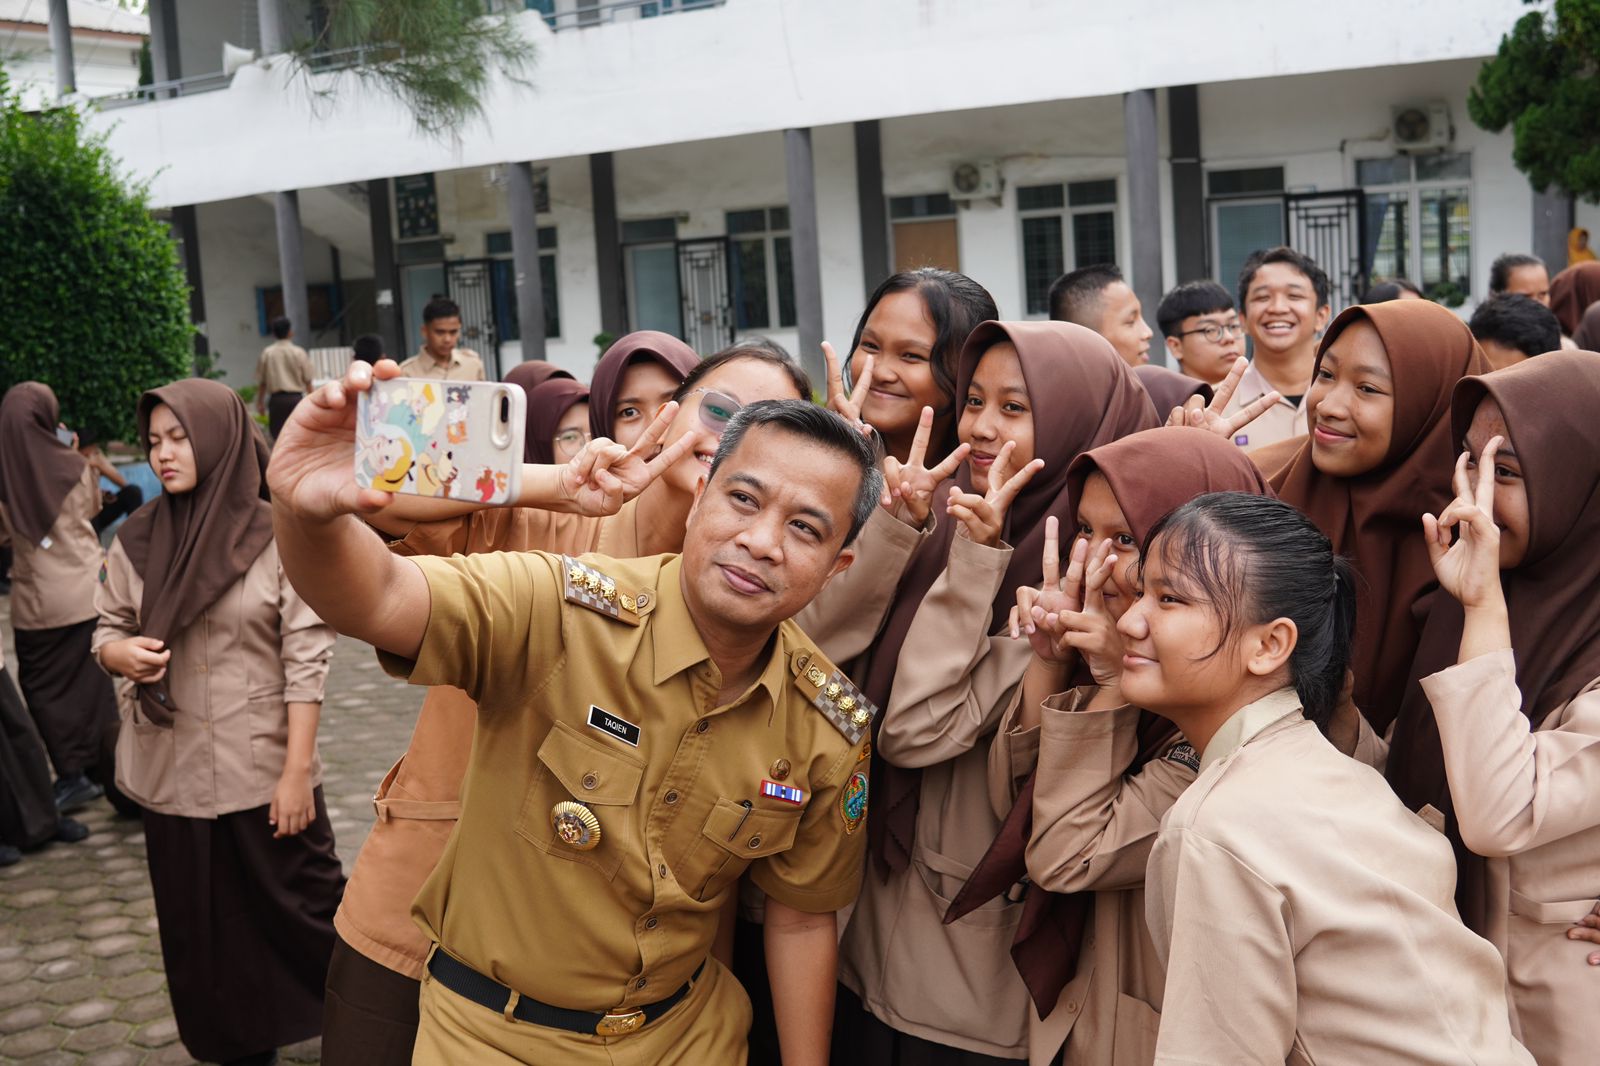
(847, 405)
(605, 475)
(1089, 631)
(1469, 569)
(909, 486)
(983, 517)
(1209, 416)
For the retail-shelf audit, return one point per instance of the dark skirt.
(246, 927)
(370, 1018)
(280, 405)
(27, 806)
(860, 1039)
(69, 697)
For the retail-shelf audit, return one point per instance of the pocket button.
(591, 780)
(755, 841)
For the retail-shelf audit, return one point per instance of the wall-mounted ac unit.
(975, 181)
(1419, 128)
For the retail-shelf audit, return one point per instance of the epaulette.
(588, 587)
(832, 693)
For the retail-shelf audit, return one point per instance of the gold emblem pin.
(575, 575)
(861, 717)
(780, 770)
(816, 676)
(576, 825)
(847, 704)
(626, 600)
(833, 691)
(608, 589)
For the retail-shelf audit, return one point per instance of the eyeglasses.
(569, 442)
(1214, 333)
(716, 409)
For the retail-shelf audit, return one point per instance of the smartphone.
(64, 435)
(452, 440)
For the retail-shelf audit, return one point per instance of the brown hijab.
(535, 372)
(547, 406)
(1587, 335)
(191, 547)
(37, 471)
(1083, 395)
(1549, 404)
(1373, 519)
(645, 344)
(1150, 474)
(1169, 389)
(1572, 292)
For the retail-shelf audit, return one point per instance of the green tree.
(97, 305)
(1545, 84)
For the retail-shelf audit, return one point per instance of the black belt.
(468, 983)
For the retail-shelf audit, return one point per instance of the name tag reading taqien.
(612, 726)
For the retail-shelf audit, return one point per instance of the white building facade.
(755, 167)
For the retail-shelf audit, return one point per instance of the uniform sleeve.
(1013, 754)
(494, 626)
(305, 646)
(1514, 788)
(822, 871)
(114, 602)
(846, 616)
(1093, 822)
(308, 373)
(1223, 934)
(493, 529)
(953, 679)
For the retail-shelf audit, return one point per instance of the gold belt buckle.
(620, 1023)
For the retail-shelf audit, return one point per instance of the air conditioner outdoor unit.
(975, 181)
(1418, 128)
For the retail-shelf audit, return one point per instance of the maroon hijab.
(533, 373)
(1572, 292)
(1150, 474)
(191, 547)
(645, 344)
(37, 471)
(1549, 404)
(1083, 396)
(547, 406)
(1169, 389)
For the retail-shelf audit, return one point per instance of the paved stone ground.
(81, 980)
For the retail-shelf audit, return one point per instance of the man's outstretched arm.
(338, 565)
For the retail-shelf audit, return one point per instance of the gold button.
(702, 726)
(671, 797)
(591, 780)
(755, 841)
(780, 769)
(651, 922)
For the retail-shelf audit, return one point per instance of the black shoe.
(9, 856)
(75, 792)
(70, 831)
(265, 1058)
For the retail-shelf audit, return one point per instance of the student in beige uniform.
(439, 356)
(1035, 395)
(48, 499)
(283, 376)
(636, 375)
(1283, 295)
(220, 669)
(1510, 747)
(1300, 912)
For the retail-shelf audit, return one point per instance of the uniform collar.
(677, 644)
(427, 356)
(1247, 722)
(1252, 386)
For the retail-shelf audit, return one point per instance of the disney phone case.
(455, 440)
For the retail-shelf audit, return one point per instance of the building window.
(1246, 207)
(925, 232)
(761, 264)
(1419, 221)
(498, 245)
(1073, 223)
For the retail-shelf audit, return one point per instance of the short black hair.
(759, 352)
(1075, 295)
(441, 307)
(955, 305)
(369, 348)
(1254, 558)
(820, 425)
(1190, 299)
(1500, 270)
(1283, 254)
(1517, 321)
(281, 327)
(1385, 291)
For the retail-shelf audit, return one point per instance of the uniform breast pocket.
(574, 768)
(732, 838)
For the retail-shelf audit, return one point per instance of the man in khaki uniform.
(439, 357)
(283, 376)
(647, 731)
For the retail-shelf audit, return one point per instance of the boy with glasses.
(1202, 330)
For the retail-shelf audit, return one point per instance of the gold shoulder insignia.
(832, 693)
(588, 587)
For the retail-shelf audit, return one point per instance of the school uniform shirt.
(951, 984)
(464, 364)
(1093, 827)
(1280, 422)
(588, 704)
(420, 798)
(1530, 801)
(233, 671)
(846, 615)
(284, 367)
(53, 582)
(1305, 916)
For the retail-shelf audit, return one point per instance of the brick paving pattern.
(81, 980)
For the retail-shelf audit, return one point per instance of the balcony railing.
(562, 15)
